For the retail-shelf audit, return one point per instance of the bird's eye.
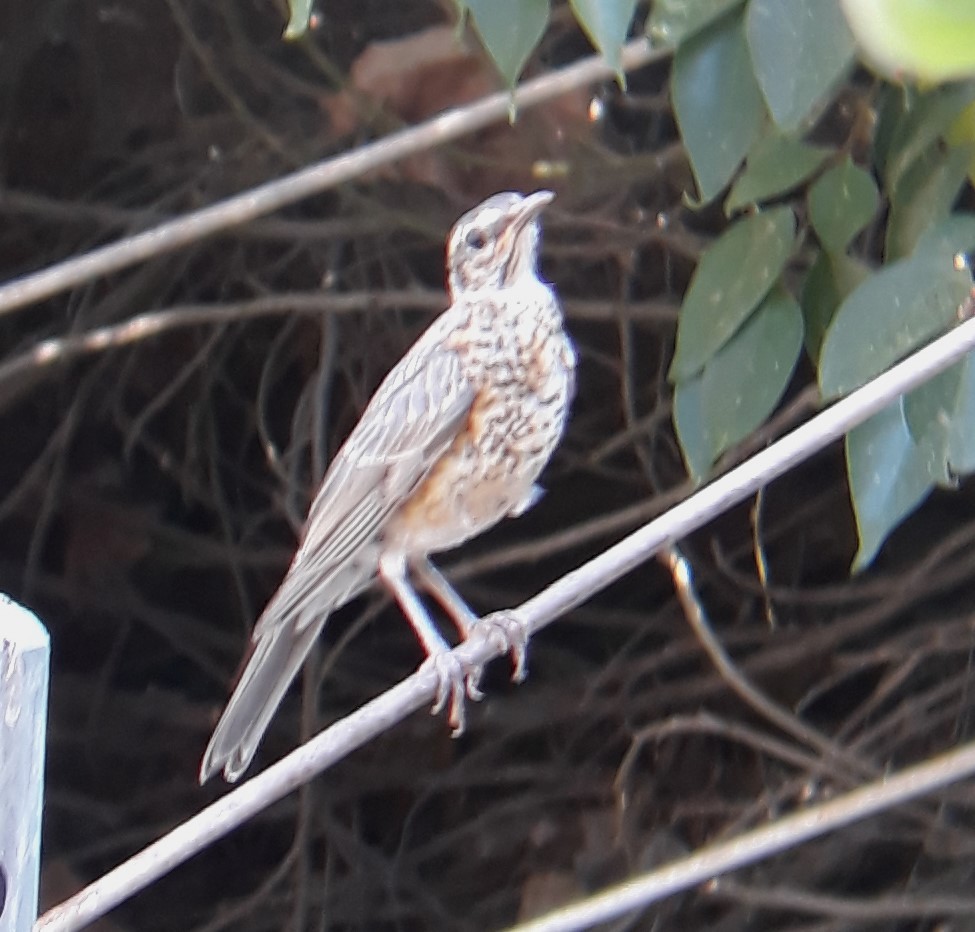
(476, 239)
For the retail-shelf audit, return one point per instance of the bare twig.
(315, 178)
(780, 835)
(375, 717)
(59, 350)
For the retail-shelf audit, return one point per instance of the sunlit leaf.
(930, 39)
(717, 103)
(841, 203)
(298, 21)
(732, 278)
(801, 49)
(776, 164)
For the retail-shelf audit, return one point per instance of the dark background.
(152, 492)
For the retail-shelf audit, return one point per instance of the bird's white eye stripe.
(489, 216)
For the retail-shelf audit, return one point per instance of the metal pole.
(25, 651)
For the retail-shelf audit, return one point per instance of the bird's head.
(496, 243)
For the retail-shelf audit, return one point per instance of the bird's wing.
(410, 423)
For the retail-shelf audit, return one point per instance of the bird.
(453, 441)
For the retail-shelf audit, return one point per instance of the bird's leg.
(509, 633)
(458, 611)
(452, 602)
(453, 681)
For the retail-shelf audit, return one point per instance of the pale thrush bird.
(453, 441)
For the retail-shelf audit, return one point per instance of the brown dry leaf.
(433, 70)
(412, 78)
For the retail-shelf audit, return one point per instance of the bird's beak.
(524, 212)
(517, 244)
(530, 207)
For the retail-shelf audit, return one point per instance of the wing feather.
(410, 423)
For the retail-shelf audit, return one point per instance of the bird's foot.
(456, 683)
(509, 634)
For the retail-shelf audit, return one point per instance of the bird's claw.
(509, 634)
(455, 684)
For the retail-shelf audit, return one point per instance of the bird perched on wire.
(453, 441)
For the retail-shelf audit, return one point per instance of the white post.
(24, 658)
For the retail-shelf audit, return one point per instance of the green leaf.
(689, 425)
(889, 477)
(892, 102)
(961, 436)
(606, 23)
(510, 30)
(946, 239)
(924, 195)
(673, 21)
(941, 417)
(830, 279)
(897, 309)
(889, 315)
(717, 103)
(744, 381)
(298, 21)
(931, 39)
(801, 49)
(896, 457)
(841, 203)
(911, 123)
(776, 164)
(929, 412)
(733, 276)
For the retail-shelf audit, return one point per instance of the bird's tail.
(277, 655)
